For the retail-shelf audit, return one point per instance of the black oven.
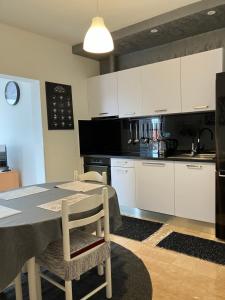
(98, 164)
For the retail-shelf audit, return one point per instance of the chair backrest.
(84, 205)
(92, 176)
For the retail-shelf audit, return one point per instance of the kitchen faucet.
(195, 148)
(200, 134)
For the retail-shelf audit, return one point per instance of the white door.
(161, 87)
(195, 191)
(155, 186)
(198, 80)
(102, 95)
(129, 92)
(123, 180)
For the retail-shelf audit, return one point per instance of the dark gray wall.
(199, 43)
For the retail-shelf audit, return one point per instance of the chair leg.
(100, 270)
(69, 292)
(18, 287)
(108, 276)
(38, 280)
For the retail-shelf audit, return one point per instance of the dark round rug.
(130, 279)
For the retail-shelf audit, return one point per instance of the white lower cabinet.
(123, 180)
(183, 189)
(155, 186)
(195, 191)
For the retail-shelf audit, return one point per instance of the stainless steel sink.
(202, 156)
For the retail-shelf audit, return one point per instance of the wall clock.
(12, 93)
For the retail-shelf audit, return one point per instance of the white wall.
(29, 55)
(21, 131)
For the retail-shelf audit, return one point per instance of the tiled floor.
(174, 275)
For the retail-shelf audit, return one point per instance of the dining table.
(26, 235)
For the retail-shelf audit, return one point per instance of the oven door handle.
(222, 173)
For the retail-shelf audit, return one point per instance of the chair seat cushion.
(82, 259)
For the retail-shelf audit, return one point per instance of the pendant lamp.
(98, 39)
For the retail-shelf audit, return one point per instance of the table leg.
(18, 287)
(32, 281)
(38, 280)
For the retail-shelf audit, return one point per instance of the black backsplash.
(100, 136)
(186, 127)
(111, 136)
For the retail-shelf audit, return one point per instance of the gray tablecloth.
(27, 234)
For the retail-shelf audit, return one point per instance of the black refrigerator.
(220, 155)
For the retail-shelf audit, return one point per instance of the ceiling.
(175, 25)
(68, 20)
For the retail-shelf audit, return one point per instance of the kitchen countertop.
(172, 158)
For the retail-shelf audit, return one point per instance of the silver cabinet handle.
(103, 113)
(201, 107)
(130, 114)
(221, 175)
(119, 171)
(153, 164)
(160, 110)
(122, 163)
(194, 166)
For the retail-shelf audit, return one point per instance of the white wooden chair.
(18, 287)
(79, 251)
(92, 176)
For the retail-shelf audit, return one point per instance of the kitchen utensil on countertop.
(136, 134)
(146, 140)
(131, 134)
(142, 139)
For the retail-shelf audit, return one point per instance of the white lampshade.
(98, 38)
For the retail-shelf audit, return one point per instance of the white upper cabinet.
(102, 95)
(161, 88)
(183, 84)
(198, 80)
(129, 92)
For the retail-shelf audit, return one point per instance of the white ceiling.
(68, 20)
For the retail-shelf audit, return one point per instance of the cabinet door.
(198, 80)
(123, 180)
(155, 186)
(102, 95)
(161, 88)
(195, 191)
(129, 92)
